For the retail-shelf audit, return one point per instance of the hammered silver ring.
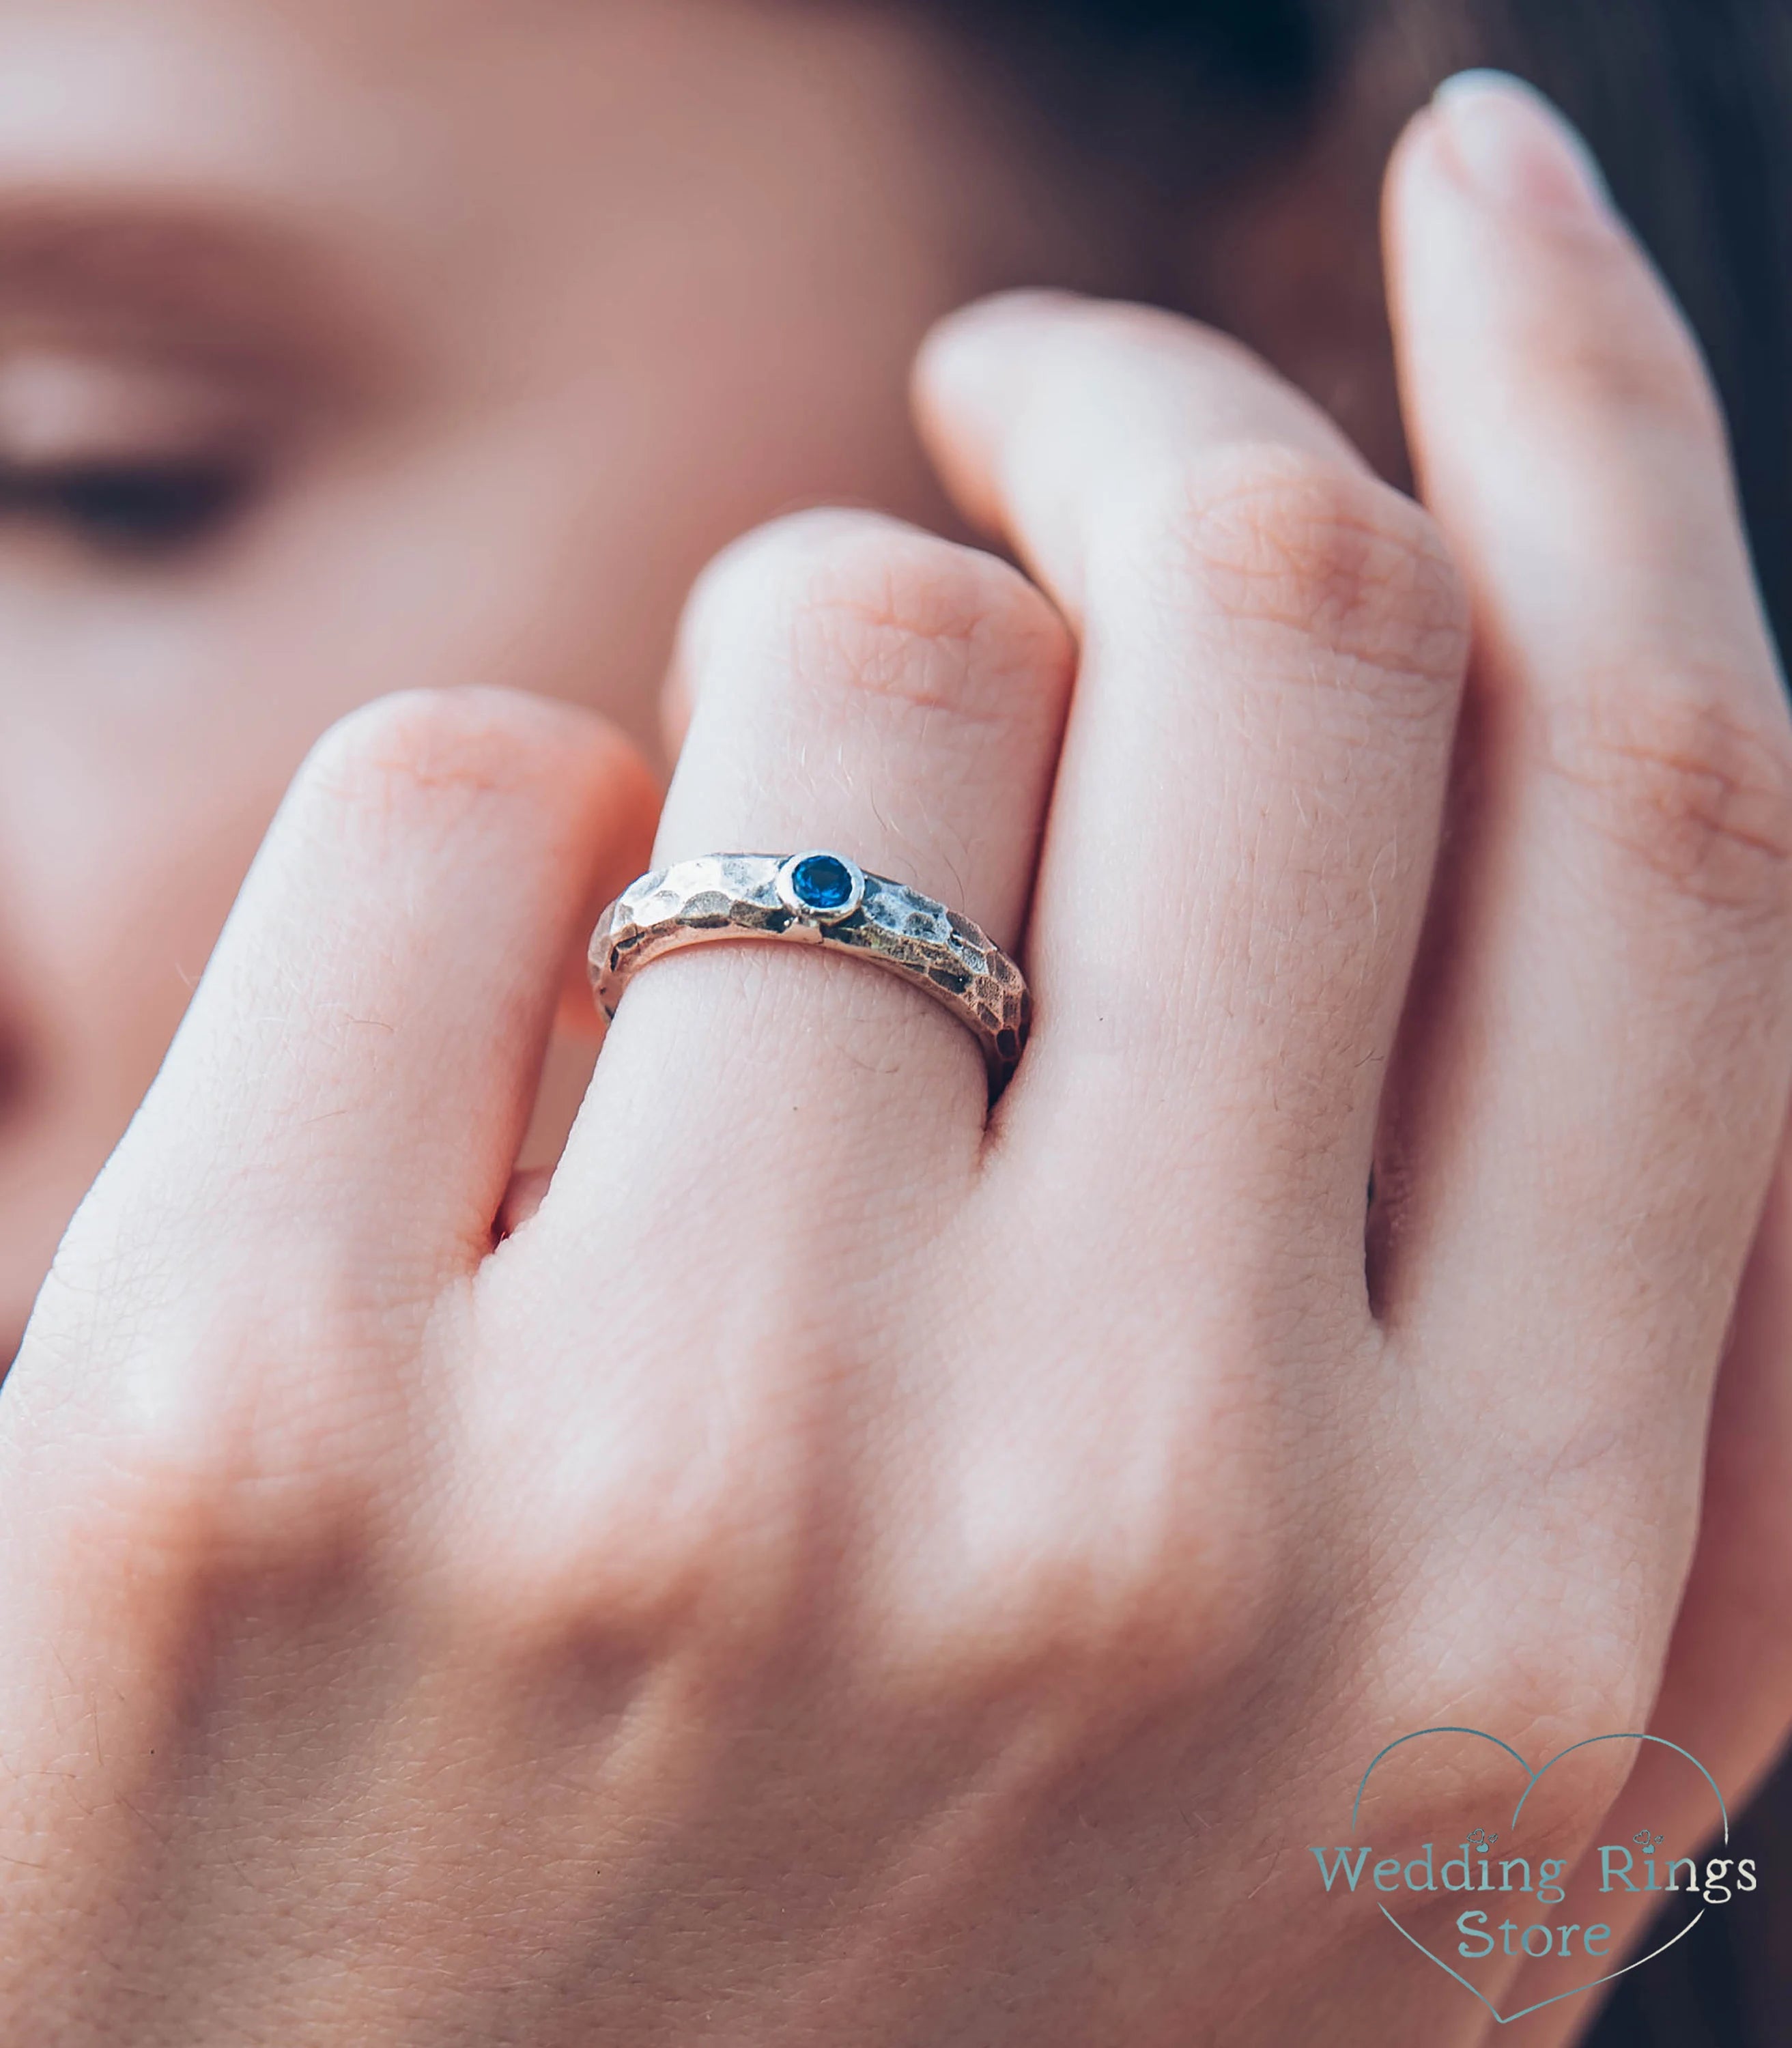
(820, 899)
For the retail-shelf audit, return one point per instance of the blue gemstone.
(821, 883)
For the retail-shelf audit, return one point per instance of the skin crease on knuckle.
(1274, 539)
(1695, 791)
(699, 1649)
(858, 598)
(437, 743)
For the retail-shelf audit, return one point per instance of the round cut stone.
(821, 883)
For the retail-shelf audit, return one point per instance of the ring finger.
(860, 686)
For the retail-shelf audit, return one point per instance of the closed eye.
(122, 452)
(161, 367)
(126, 507)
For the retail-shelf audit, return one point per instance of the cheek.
(132, 798)
(126, 821)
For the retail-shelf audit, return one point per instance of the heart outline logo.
(1533, 1779)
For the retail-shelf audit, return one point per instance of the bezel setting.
(810, 911)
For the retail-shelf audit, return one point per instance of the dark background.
(1729, 1983)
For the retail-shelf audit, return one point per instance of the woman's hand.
(839, 1571)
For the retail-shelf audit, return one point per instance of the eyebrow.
(195, 274)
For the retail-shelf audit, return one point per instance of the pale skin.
(838, 1563)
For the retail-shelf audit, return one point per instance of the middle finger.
(1245, 824)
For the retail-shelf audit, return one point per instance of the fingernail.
(1517, 149)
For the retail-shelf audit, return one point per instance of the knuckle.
(863, 602)
(1556, 1672)
(698, 1558)
(555, 1587)
(1044, 1600)
(1567, 1665)
(203, 1516)
(215, 1515)
(221, 1455)
(1454, 1780)
(430, 747)
(1277, 538)
(1695, 791)
(1458, 1718)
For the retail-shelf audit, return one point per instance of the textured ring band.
(826, 900)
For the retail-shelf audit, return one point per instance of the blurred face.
(349, 346)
